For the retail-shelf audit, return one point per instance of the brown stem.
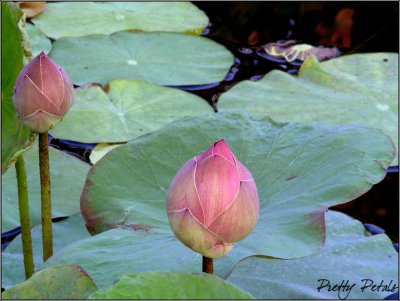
(47, 235)
(208, 265)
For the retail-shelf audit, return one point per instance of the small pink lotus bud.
(212, 202)
(43, 94)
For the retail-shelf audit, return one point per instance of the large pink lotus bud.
(43, 93)
(212, 202)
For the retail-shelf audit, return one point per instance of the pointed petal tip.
(221, 143)
(221, 148)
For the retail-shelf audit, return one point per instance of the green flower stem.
(47, 236)
(208, 265)
(24, 216)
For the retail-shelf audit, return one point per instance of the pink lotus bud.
(212, 202)
(43, 93)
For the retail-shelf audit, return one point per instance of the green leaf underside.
(129, 109)
(100, 255)
(299, 169)
(166, 285)
(14, 136)
(37, 40)
(76, 19)
(57, 282)
(347, 250)
(360, 89)
(160, 58)
(109, 255)
(67, 178)
(347, 255)
(64, 233)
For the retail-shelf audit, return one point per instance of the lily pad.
(100, 255)
(139, 246)
(348, 257)
(108, 256)
(58, 282)
(128, 186)
(68, 19)
(129, 109)
(15, 138)
(160, 58)
(358, 89)
(64, 233)
(171, 286)
(67, 178)
(37, 40)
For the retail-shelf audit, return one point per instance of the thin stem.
(24, 216)
(356, 48)
(208, 265)
(47, 236)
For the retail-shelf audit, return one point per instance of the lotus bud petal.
(212, 202)
(43, 94)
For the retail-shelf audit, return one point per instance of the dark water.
(243, 27)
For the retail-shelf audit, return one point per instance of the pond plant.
(43, 93)
(8, 151)
(212, 202)
(248, 184)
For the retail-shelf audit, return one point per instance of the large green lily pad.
(139, 247)
(129, 109)
(160, 57)
(58, 282)
(110, 255)
(101, 255)
(166, 285)
(64, 233)
(38, 41)
(299, 170)
(14, 136)
(69, 19)
(359, 88)
(67, 178)
(348, 255)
